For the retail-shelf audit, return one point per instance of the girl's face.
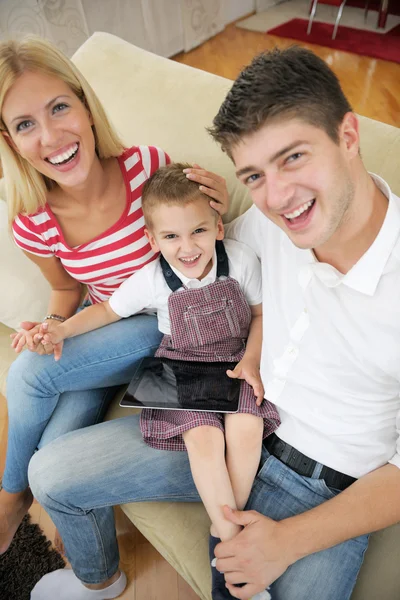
(50, 128)
(185, 235)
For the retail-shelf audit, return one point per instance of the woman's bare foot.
(13, 508)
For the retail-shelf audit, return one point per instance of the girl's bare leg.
(206, 450)
(243, 437)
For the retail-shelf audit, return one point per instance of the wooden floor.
(373, 88)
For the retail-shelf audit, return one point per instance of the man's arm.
(264, 549)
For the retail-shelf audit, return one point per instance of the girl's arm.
(249, 367)
(92, 317)
(254, 341)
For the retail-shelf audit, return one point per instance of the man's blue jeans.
(47, 399)
(79, 477)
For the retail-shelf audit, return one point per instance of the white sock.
(63, 584)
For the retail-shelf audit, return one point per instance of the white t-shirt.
(331, 344)
(148, 291)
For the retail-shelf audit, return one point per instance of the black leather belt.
(303, 465)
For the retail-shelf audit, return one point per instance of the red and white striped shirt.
(105, 262)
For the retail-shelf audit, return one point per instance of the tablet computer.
(183, 385)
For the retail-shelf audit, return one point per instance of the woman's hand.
(26, 337)
(31, 336)
(249, 370)
(212, 185)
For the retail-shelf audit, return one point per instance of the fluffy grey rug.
(29, 557)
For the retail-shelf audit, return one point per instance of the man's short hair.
(281, 84)
(169, 186)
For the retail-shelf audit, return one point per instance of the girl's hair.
(26, 188)
(169, 186)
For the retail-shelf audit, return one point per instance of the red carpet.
(367, 43)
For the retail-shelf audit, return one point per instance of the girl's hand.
(51, 336)
(249, 370)
(211, 184)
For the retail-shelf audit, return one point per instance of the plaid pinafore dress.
(209, 324)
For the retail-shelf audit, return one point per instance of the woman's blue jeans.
(79, 477)
(47, 399)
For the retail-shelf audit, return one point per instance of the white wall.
(264, 4)
(234, 9)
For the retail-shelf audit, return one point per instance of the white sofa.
(152, 100)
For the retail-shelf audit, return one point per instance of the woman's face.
(50, 127)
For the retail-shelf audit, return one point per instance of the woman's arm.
(64, 300)
(65, 290)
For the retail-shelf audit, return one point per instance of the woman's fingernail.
(186, 170)
(189, 176)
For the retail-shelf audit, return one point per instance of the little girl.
(207, 295)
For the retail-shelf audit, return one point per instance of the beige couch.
(152, 100)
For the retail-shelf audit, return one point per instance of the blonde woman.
(74, 197)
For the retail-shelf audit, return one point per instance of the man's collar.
(364, 276)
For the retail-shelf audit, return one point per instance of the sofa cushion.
(7, 355)
(24, 290)
(169, 104)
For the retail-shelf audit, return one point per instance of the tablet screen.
(183, 385)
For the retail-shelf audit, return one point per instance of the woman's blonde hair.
(26, 188)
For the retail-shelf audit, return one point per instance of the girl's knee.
(204, 438)
(244, 429)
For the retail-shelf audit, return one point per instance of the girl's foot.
(13, 508)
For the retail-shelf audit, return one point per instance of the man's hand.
(249, 370)
(258, 555)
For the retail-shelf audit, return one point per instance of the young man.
(327, 234)
(328, 240)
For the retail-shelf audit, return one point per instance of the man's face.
(300, 179)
